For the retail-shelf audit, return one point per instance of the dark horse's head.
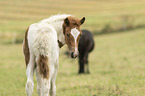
(72, 32)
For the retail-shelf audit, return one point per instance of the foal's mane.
(55, 18)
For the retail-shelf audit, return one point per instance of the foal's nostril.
(72, 55)
(75, 56)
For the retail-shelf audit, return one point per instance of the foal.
(41, 50)
(86, 45)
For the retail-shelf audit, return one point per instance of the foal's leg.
(39, 82)
(53, 86)
(29, 73)
(43, 84)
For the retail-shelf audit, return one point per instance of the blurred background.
(117, 64)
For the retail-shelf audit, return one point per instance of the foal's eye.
(67, 35)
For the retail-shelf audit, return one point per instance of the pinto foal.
(41, 50)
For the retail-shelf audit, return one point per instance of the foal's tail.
(41, 49)
(43, 46)
(42, 63)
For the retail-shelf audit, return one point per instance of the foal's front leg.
(29, 73)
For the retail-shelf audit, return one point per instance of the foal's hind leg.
(43, 84)
(39, 82)
(53, 86)
(29, 73)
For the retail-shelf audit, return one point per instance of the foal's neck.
(59, 29)
(57, 22)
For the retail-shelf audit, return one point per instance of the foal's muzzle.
(74, 55)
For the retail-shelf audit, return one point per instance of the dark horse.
(86, 45)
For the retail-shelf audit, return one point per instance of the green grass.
(116, 65)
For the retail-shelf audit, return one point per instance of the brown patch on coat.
(43, 66)
(26, 48)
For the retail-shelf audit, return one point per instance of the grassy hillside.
(117, 63)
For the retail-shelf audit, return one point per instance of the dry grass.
(17, 15)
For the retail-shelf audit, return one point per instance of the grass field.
(117, 63)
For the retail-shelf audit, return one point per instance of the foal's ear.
(66, 21)
(82, 20)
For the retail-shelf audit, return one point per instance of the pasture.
(117, 64)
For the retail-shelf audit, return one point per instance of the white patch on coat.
(75, 33)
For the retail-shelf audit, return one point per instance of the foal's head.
(72, 32)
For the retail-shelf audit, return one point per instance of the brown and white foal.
(41, 50)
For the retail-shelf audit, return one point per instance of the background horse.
(41, 50)
(86, 45)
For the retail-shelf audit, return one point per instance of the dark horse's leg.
(81, 65)
(89, 49)
(86, 62)
(87, 65)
